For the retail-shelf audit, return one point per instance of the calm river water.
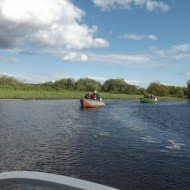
(125, 144)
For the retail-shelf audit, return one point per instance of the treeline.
(116, 86)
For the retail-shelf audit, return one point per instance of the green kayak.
(148, 100)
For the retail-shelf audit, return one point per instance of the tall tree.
(87, 84)
(158, 89)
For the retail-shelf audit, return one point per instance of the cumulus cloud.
(176, 51)
(138, 37)
(150, 5)
(45, 23)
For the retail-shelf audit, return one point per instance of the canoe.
(40, 180)
(148, 100)
(87, 103)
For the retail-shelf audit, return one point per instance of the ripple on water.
(125, 144)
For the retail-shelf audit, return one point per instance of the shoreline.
(63, 95)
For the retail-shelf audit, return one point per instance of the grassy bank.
(62, 94)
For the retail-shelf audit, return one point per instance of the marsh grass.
(31, 94)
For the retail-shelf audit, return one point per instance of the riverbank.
(63, 94)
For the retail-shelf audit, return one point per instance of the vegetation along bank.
(68, 88)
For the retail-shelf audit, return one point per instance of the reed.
(61, 94)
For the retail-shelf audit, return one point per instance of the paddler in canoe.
(148, 98)
(92, 100)
(95, 96)
(88, 95)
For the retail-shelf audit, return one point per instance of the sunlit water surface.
(126, 144)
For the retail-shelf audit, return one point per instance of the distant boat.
(148, 100)
(88, 103)
(46, 180)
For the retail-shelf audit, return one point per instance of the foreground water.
(125, 144)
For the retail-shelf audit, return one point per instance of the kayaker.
(88, 95)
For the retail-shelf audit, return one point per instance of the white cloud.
(45, 23)
(5, 74)
(34, 77)
(150, 5)
(154, 5)
(44, 77)
(82, 56)
(97, 78)
(176, 51)
(119, 58)
(8, 59)
(133, 82)
(138, 37)
(103, 79)
(73, 56)
(152, 37)
(108, 58)
(186, 74)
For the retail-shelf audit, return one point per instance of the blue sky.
(141, 41)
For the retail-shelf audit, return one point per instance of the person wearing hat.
(95, 96)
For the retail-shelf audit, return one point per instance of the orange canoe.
(87, 103)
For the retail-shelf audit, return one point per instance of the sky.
(141, 41)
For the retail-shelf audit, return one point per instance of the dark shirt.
(87, 96)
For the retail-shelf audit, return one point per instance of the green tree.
(114, 85)
(8, 81)
(158, 89)
(176, 91)
(87, 84)
(67, 83)
(141, 91)
(185, 91)
(179, 92)
(119, 86)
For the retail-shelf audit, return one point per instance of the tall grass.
(8, 93)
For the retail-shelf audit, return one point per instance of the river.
(126, 144)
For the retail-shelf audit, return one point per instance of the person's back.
(88, 96)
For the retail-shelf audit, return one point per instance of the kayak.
(87, 103)
(148, 100)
